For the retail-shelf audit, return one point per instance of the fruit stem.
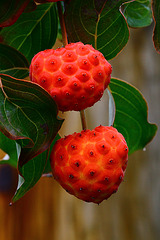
(62, 23)
(83, 119)
(65, 42)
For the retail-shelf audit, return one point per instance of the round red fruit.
(77, 67)
(90, 165)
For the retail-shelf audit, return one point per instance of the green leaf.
(138, 13)
(31, 6)
(48, 165)
(33, 31)
(10, 10)
(156, 32)
(28, 114)
(11, 148)
(131, 115)
(32, 171)
(99, 23)
(12, 62)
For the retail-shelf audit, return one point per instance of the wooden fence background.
(133, 213)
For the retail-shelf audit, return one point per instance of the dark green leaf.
(33, 31)
(40, 1)
(138, 13)
(28, 114)
(10, 10)
(131, 115)
(32, 171)
(11, 148)
(31, 6)
(12, 62)
(48, 165)
(156, 32)
(99, 23)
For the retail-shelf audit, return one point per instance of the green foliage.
(33, 32)
(28, 115)
(131, 115)
(10, 10)
(11, 148)
(12, 62)
(138, 13)
(156, 33)
(32, 172)
(31, 6)
(48, 165)
(99, 23)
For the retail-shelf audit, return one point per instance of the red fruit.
(75, 76)
(91, 164)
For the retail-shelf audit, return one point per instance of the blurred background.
(133, 213)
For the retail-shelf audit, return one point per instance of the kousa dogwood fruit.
(75, 75)
(91, 164)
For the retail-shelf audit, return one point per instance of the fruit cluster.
(75, 76)
(90, 164)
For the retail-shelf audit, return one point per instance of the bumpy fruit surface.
(90, 164)
(75, 76)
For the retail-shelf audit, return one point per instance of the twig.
(83, 119)
(62, 23)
